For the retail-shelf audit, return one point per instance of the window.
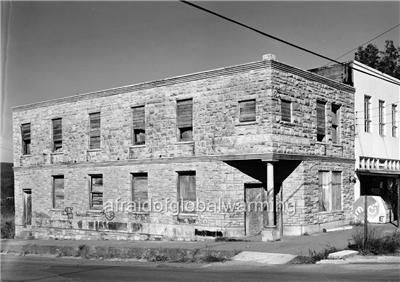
(187, 191)
(184, 119)
(96, 192)
(367, 113)
(138, 123)
(57, 134)
(320, 121)
(27, 215)
(26, 138)
(58, 192)
(381, 117)
(335, 111)
(330, 190)
(286, 110)
(94, 134)
(247, 110)
(139, 191)
(394, 120)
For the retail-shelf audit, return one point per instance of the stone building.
(377, 140)
(261, 131)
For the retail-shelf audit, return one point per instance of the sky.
(58, 49)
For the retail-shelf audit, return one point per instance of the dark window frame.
(381, 109)
(55, 206)
(284, 116)
(143, 201)
(191, 176)
(247, 105)
(97, 193)
(367, 113)
(139, 125)
(94, 132)
(26, 138)
(184, 120)
(321, 120)
(336, 121)
(57, 136)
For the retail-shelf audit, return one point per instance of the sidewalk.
(178, 250)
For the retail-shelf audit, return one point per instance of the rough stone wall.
(217, 134)
(215, 181)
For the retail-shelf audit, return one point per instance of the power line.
(282, 40)
(377, 36)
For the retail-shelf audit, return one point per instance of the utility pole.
(365, 221)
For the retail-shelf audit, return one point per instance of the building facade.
(377, 141)
(182, 151)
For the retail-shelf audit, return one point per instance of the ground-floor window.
(330, 190)
(27, 215)
(187, 191)
(96, 192)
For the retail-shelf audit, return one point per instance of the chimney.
(269, 57)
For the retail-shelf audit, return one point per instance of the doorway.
(254, 204)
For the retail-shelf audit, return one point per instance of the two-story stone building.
(260, 131)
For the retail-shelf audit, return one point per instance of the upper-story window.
(247, 110)
(26, 138)
(394, 120)
(286, 110)
(184, 119)
(94, 131)
(335, 112)
(138, 125)
(381, 117)
(367, 113)
(321, 121)
(57, 134)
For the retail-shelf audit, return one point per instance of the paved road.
(32, 268)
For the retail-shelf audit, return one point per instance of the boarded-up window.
(381, 117)
(187, 191)
(394, 120)
(27, 216)
(336, 190)
(320, 121)
(96, 192)
(140, 191)
(184, 119)
(330, 190)
(247, 110)
(138, 125)
(94, 132)
(57, 134)
(286, 110)
(367, 114)
(58, 192)
(26, 138)
(335, 113)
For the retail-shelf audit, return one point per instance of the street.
(34, 268)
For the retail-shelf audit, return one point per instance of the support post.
(365, 221)
(270, 188)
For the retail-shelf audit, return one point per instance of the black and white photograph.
(200, 141)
